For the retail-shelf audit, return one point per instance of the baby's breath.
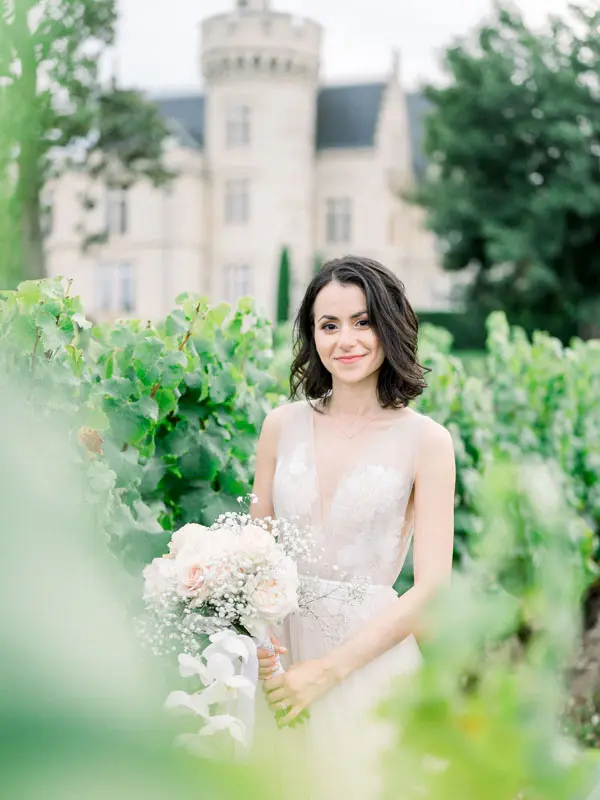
(177, 622)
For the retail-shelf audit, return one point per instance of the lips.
(349, 359)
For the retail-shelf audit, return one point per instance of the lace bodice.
(354, 495)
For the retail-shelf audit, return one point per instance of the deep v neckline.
(325, 513)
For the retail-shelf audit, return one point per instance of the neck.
(359, 400)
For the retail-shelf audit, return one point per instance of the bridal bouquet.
(213, 598)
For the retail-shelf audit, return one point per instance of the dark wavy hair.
(401, 377)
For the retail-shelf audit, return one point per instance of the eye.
(328, 327)
(363, 323)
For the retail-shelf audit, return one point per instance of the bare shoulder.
(435, 438)
(277, 417)
(280, 414)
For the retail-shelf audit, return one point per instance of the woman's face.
(344, 339)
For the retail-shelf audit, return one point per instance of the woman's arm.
(264, 471)
(435, 478)
(266, 461)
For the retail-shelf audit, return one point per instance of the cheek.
(321, 346)
(372, 342)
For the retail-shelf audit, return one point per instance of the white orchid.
(196, 742)
(183, 701)
(222, 684)
(238, 573)
(232, 644)
(225, 722)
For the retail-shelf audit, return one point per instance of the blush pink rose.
(192, 581)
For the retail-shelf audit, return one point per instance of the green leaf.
(81, 321)
(176, 323)
(129, 423)
(153, 473)
(222, 386)
(30, 292)
(149, 349)
(194, 503)
(148, 373)
(118, 389)
(24, 331)
(203, 462)
(94, 418)
(167, 401)
(180, 440)
(235, 480)
(52, 336)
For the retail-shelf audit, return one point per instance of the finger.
(267, 662)
(279, 648)
(274, 683)
(276, 697)
(265, 655)
(265, 674)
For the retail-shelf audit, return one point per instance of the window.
(237, 282)
(126, 288)
(238, 126)
(104, 287)
(338, 220)
(117, 220)
(115, 288)
(237, 200)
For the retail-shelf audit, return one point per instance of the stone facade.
(267, 158)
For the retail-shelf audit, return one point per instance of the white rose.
(189, 537)
(275, 595)
(160, 576)
(199, 542)
(256, 543)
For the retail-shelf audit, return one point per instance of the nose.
(347, 338)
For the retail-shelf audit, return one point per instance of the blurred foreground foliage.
(482, 718)
(81, 707)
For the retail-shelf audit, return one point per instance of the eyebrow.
(336, 319)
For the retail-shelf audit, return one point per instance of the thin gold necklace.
(354, 433)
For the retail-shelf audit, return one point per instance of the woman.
(361, 469)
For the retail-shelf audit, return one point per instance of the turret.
(261, 71)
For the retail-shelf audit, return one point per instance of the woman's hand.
(298, 687)
(267, 660)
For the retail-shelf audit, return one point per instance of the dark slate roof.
(417, 106)
(187, 111)
(346, 117)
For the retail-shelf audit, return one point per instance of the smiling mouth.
(349, 359)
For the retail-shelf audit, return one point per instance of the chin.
(352, 377)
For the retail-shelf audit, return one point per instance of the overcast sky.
(158, 39)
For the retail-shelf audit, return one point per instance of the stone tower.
(261, 71)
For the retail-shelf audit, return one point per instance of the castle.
(266, 158)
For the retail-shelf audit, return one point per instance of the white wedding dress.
(356, 498)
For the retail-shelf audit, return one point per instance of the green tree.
(53, 102)
(284, 287)
(513, 143)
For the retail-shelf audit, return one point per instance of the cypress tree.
(284, 288)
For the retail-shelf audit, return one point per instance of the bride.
(355, 464)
